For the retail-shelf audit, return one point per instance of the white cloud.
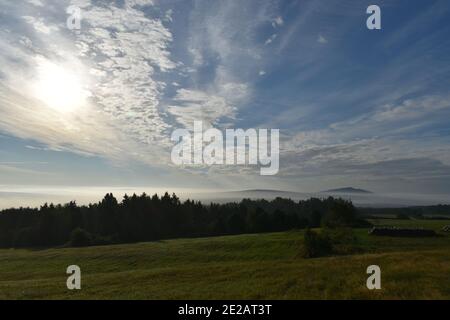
(270, 39)
(227, 44)
(168, 15)
(360, 145)
(277, 22)
(197, 57)
(321, 39)
(39, 25)
(412, 108)
(132, 3)
(118, 52)
(193, 105)
(37, 3)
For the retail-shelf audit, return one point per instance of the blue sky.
(359, 107)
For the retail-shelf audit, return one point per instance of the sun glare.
(59, 87)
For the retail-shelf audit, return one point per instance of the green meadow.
(412, 223)
(250, 266)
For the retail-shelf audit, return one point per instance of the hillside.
(252, 266)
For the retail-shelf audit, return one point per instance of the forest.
(148, 218)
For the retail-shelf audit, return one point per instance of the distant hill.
(359, 197)
(346, 190)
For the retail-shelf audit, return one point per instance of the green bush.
(343, 235)
(343, 239)
(316, 244)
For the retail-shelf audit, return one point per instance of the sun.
(60, 88)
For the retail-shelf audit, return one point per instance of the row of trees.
(147, 218)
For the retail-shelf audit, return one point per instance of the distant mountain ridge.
(346, 190)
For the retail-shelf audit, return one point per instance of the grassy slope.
(232, 267)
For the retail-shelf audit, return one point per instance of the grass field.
(412, 223)
(263, 266)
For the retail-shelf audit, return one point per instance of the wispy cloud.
(277, 22)
(270, 39)
(321, 39)
(200, 106)
(118, 53)
(347, 101)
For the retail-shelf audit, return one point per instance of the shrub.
(344, 240)
(343, 235)
(80, 238)
(316, 244)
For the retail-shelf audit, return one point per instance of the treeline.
(148, 218)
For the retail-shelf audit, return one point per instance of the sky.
(95, 107)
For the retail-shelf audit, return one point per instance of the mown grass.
(263, 266)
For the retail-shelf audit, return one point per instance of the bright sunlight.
(58, 87)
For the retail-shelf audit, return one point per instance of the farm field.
(436, 225)
(250, 266)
